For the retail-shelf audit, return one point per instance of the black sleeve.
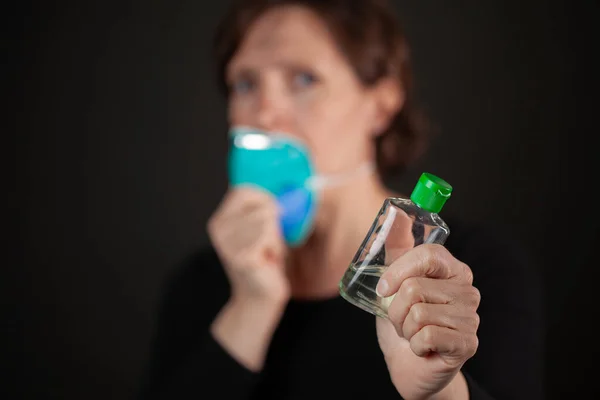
(185, 361)
(509, 361)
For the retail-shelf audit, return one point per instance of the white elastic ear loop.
(319, 182)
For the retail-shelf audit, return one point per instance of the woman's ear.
(388, 96)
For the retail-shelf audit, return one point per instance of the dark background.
(120, 145)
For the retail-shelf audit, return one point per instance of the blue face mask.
(282, 166)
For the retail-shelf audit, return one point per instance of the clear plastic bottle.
(400, 225)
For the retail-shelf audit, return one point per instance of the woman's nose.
(272, 111)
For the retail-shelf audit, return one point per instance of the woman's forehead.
(291, 34)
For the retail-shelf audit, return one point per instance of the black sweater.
(328, 349)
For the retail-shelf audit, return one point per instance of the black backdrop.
(120, 144)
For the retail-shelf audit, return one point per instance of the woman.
(251, 317)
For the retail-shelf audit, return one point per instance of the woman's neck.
(345, 216)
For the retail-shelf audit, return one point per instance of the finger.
(250, 192)
(427, 260)
(442, 315)
(238, 228)
(249, 219)
(428, 290)
(243, 199)
(273, 244)
(238, 202)
(266, 252)
(251, 235)
(447, 342)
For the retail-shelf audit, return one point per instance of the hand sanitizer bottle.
(400, 225)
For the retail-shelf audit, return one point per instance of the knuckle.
(467, 273)
(436, 257)
(260, 195)
(418, 313)
(437, 253)
(212, 223)
(213, 231)
(471, 343)
(476, 320)
(241, 191)
(234, 195)
(475, 296)
(271, 201)
(412, 290)
(428, 336)
(395, 313)
(246, 195)
(428, 256)
(473, 322)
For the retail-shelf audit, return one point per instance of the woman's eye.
(242, 86)
(304, 79)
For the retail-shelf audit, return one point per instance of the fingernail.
(382, 288)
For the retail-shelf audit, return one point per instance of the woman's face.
(289, 76)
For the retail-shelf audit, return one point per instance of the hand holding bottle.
(432, 327)
(424, 296)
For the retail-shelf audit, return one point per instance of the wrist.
(260, 306)
(457, 389)
(245, 328)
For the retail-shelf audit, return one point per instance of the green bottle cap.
(431, 192)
